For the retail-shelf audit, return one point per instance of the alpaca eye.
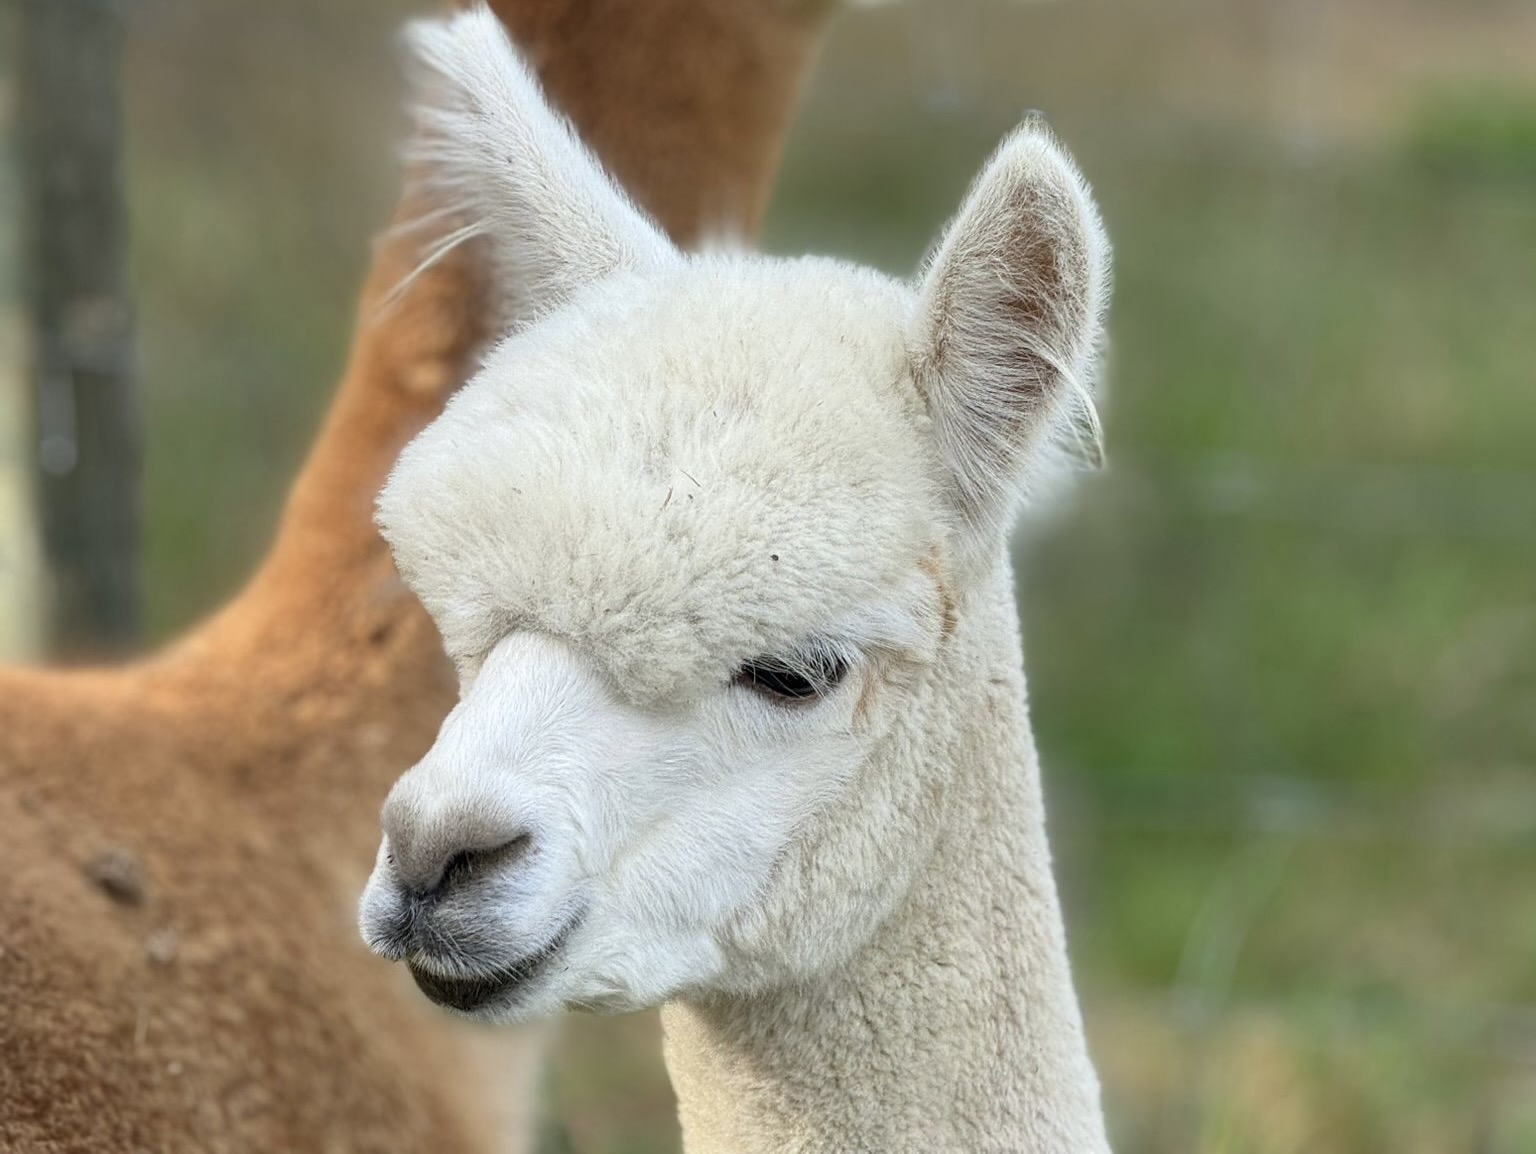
(799, 680)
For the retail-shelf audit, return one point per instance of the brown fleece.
(182, 840)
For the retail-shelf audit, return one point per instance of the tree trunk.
(74, 267)
(20, 580)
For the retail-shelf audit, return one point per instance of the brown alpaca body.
(179, 968)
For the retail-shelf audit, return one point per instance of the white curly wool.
(688, 472)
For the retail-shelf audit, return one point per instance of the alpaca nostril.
(428, 839)
(468, 864)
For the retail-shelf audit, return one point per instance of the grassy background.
(1283, 651)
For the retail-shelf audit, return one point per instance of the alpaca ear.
(490, 150)
(1008, 327)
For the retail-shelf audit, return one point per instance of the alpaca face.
(679, 542)
(693, 539)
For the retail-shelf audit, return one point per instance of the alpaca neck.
(956, 1026)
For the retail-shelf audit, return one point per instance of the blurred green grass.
(1282, 651)
(1298, 614)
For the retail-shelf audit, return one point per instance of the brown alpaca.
(179, 967)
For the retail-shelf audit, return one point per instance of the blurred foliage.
(1480, 133)
(1282, 651)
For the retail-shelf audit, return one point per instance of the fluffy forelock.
(672, 473)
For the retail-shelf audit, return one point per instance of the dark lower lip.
(469, 994)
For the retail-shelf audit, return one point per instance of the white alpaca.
(718, 544)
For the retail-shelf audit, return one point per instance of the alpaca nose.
(433, 848)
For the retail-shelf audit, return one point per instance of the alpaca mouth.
(469, 994)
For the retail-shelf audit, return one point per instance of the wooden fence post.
(74, 258)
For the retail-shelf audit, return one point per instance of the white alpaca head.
(694, 537)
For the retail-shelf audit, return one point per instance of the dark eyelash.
(802, 678)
